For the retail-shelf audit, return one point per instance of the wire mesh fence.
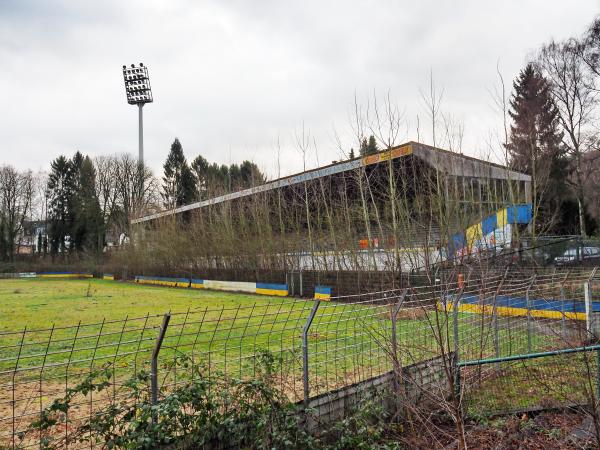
(534, 382)
(320, 346)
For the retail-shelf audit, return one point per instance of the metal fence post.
(588, 307)
(155, 352)
(309, 320)
(394, 318)
(592, 318)
(528, 300)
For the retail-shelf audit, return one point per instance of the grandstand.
(409, 200)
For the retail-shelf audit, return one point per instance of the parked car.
(575, 254)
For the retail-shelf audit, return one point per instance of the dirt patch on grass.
(544, 431)
(549, 430)
(414, 313)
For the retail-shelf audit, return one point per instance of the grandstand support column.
(529, 199)
(528, 195)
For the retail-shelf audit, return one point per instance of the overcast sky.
(232, 78)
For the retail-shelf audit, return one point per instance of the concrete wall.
(420, 382)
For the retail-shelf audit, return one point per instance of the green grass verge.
(549, 382)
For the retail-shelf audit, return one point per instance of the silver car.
(578, 254)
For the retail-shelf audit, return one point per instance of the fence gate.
(294, 283)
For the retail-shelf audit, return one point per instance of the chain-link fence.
(319, 346)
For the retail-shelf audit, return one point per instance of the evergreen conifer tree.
(368, 147)
(212, 179)
(89, 223)
(250, 175)
(535, 145)
(200, 167)
(179, 181)
(61, 190)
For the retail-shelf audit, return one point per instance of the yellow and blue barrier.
(322, 293)
(280, 290)
(196, 284)
(64, 275)
(108, 276)
(163, 281)
(517, 307)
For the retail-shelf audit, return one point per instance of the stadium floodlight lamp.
(137, 85)
(138, 92)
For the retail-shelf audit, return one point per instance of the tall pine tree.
(179, 181)
(368, 147)
(535, 146)
(89, 221)
(200, 167)
(61, 192)
(77, 230)
(213, 179)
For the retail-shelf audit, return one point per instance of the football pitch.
(55, 332)
(40, 303)
(51, 322)
(54, 322)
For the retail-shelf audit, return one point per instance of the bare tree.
(106, 186)
(134, 196)
(573, 89)
(16, 196)
(588, 47)
(433, 100)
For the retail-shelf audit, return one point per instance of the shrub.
(217, 412)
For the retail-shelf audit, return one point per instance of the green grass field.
(54, 332)
(87, 322)
(39, 303)
(82, 323)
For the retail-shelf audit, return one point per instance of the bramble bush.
(217, 412)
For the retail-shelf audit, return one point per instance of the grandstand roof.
(453, 164)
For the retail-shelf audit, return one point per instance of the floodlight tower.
(138, 91)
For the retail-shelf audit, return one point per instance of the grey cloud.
(230, 78)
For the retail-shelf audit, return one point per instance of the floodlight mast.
(138, 92)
